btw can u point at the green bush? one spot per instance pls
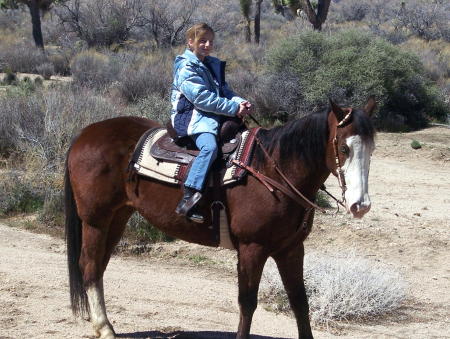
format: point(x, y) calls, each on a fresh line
point(17, 195)
point(10, 78)
point(352, 65)
point(143, 231)
point(415, 144)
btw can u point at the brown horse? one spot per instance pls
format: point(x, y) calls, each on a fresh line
point(100, 199)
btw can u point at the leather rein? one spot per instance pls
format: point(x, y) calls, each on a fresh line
point(291, 191)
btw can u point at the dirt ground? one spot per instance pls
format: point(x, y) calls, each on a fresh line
point(179, 290)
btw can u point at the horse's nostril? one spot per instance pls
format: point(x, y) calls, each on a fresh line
point(354, 208)
point(358, 209)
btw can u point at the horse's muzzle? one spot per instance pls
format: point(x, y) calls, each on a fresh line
point(358, 209)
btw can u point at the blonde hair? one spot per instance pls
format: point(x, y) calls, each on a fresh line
point(198, 30)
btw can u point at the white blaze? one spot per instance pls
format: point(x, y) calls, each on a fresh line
point(356, 170)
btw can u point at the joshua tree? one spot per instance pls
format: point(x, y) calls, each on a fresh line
point(246, 6)
point(316, 11)
point(35, 7)
point(257, 20)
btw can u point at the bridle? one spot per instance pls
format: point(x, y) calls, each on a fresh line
point(291, 190)
point(339, 171)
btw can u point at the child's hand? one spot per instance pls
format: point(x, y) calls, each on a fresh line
point(245, 108)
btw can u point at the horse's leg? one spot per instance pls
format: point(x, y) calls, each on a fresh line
point(97, 250)
point(92, 268)
point(251, 260)
point(116, 230)
point(290, 266)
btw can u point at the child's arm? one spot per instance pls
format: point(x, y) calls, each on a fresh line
point(192, 85)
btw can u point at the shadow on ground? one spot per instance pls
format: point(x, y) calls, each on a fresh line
point(188, 335)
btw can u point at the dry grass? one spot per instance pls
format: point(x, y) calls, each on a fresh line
point(341, 288)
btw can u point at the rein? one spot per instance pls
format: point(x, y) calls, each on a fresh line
point(293, 192)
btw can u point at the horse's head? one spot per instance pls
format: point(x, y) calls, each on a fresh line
point(349, 149)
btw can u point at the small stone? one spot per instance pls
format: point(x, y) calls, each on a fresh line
point(417, 214)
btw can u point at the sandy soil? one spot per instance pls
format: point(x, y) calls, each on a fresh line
point(173, 292)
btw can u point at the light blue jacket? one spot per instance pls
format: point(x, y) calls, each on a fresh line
point(200, 95)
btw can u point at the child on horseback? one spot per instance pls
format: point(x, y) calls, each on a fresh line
point(199, 97)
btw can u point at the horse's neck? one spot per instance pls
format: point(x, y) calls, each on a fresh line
point(304, 178)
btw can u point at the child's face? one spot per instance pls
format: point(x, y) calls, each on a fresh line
point(203, 45)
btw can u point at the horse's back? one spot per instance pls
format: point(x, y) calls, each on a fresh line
point(116, 128)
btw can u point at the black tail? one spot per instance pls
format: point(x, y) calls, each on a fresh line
point(78, 296)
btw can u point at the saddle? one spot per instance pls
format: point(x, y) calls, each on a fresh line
point(170, 147)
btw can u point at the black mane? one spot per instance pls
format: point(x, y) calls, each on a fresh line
point(305, 138)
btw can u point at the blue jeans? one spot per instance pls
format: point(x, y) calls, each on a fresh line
point(207, 144)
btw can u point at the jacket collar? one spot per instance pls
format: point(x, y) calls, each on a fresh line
point(216, 65)
point(188, 54)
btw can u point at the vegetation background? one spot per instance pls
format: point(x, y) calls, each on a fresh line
point(98, 59)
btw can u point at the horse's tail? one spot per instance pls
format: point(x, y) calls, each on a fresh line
point(78, 296)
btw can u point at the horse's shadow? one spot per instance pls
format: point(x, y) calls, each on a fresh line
point(188, 335)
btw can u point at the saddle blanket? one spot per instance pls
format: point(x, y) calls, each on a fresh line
point(176, 173)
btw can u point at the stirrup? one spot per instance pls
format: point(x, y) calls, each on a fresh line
point(195, 216)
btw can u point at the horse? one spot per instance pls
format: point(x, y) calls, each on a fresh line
point(100, 198)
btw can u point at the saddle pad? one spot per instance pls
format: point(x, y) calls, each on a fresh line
point(175, 173)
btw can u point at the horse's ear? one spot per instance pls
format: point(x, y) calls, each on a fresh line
point(338, 112)
point(370, 106)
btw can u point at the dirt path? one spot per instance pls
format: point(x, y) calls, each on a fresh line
point(162, 297)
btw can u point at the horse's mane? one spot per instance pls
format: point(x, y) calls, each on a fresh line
point(305, 138)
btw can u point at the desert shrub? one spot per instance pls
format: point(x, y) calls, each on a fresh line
point(143, 231)
point(93, 69)
point(339, 288)
point(38, 82)
point(10, 19)
point(224, 17)
point(165, 22)
point(415, 144)
point(19, 195)
point(46, 70)
point(435, 57)
point(52, 211)
point(243, 58)
point(20, 56)
point(43, 123)
point(143, 78)
point(352, 65)
point(17, 109)
point(323, 200)
point(350, 10)
point(60, 62)
point(10, 77)
point(152, 107)
point(427, 20)
point(277, 96)
point(99, 23)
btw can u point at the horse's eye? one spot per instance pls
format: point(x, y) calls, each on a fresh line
point(345, 150)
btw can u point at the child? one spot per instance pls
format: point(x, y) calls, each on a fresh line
point(199, 97)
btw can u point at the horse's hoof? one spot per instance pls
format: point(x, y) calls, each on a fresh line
point(106, 332)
